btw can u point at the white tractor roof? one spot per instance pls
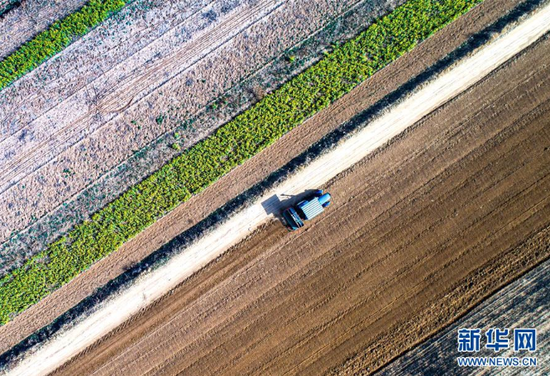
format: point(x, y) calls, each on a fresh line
point(311, 208)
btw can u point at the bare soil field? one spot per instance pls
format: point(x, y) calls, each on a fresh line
point(420, 232)
point(255, 170)
point(524, 303)
point(65, 128)
point(25, 20)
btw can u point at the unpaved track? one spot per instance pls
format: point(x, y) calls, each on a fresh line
point(251, 172)
point(150, 287)
point(467, 188)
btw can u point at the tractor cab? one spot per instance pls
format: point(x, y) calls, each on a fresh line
point(306, 210)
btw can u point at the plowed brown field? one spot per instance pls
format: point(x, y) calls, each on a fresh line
point(419, 233)
point(523, 302)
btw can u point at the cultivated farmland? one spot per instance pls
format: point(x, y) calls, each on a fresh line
point(381, 84)
point(397, 259)
point(246, 135)
point(525, 301)
point(69, 129)
point(27, 18)
point(140, 124)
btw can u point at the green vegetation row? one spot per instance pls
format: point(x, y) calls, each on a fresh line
point(336, 74)
point(58, 36)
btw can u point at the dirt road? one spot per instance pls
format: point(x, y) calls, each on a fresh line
point(461, 195)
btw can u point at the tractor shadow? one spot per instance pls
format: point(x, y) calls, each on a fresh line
point(276, 204)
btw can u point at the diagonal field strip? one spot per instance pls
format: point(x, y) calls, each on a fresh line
point(28, 18)
point(385, 87)
point(55, 38)
point(100, 148)
point(157, 283)
point(502, 310)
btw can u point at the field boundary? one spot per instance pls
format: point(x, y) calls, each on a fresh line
point(80, 306)
point(61, 218)
point(482, 64)
point(481, 302)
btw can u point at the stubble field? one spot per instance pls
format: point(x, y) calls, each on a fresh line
point(23, 19)
point(67, 132)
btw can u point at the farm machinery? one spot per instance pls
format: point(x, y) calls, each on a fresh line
point(306, 210)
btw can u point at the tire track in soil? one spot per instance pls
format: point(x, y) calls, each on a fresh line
point(302, 303)
point(61, 74)
point(35, 236)
point(406, 268)
point(344, 209)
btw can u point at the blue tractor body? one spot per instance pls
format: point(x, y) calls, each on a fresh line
point(306, 210)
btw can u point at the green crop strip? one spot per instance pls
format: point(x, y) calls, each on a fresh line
point(336, 74)
point(58, 36)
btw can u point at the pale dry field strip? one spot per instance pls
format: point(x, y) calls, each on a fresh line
point(239, 97)
point(29, 18)
point(524, 303)
point(154, 285)
point(83, 122)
